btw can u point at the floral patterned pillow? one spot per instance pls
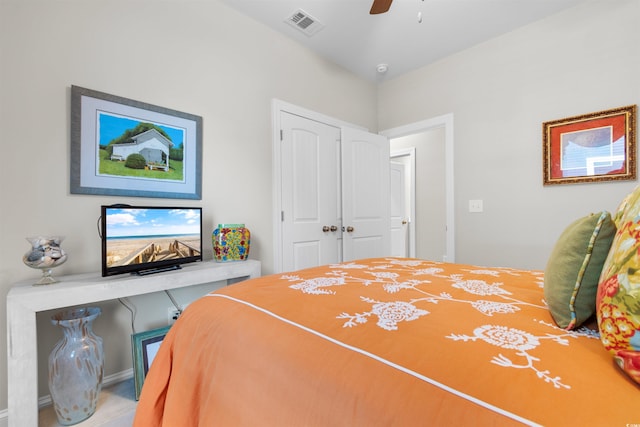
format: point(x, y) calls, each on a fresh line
point(622, 207)
point(618, 298)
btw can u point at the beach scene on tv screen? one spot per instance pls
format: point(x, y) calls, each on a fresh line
point(139, 236)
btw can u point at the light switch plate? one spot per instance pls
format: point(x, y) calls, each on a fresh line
point(475, 206)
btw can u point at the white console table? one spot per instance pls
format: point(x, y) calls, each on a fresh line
point(25, 300)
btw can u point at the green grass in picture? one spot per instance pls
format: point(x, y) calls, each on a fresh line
point(114, 167)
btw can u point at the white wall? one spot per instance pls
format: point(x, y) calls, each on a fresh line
point(199, 57)
point(583, 60)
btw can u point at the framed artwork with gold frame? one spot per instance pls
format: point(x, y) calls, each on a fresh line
point(593, 147)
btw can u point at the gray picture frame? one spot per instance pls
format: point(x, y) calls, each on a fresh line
point(88, 110)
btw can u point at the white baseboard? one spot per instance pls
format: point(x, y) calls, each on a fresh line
point(106, 381)
point(46, 400)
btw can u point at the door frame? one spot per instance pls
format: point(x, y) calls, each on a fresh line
point(445, 121)
point(277, 107)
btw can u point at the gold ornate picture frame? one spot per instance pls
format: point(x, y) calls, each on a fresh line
point(593, 147)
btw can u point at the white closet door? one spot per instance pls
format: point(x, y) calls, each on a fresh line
point(365, 195)
point(310, 193)
point(399, 217)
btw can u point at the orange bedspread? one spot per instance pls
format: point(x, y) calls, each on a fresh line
point(385, 341)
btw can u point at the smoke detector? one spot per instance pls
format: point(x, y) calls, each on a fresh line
point(382, 68)
point(304, 22)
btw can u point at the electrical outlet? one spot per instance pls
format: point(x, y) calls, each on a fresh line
point(172, 315)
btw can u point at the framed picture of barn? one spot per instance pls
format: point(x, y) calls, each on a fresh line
point(122, 147)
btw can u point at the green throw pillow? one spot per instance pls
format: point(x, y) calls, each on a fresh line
point(573, 269)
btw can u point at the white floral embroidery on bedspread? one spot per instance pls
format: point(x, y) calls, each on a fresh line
point(316, 286)
point(390, 314)
point(520, 341)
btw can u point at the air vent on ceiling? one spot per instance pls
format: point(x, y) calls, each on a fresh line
point(304, 22)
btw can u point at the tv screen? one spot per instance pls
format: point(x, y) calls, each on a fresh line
point(149, 239)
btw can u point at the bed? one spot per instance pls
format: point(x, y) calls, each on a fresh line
point(386, 341)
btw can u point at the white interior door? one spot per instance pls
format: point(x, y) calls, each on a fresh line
point(365, 195)
point(311, 219)
point(399, 217)
point(323, 174)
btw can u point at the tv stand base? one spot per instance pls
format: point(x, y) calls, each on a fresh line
point(148, 271)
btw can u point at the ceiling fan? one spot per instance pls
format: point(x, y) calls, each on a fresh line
point(380, 6)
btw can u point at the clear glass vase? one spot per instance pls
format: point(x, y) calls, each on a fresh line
point(76, 366)
point(45, 254)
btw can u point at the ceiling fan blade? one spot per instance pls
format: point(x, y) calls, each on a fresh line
point(380, 6)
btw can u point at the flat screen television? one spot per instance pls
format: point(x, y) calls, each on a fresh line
point(149, 239)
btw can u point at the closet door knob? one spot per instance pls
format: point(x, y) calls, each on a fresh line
point(334, 228)
point(349, 229)
point(325, 229)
